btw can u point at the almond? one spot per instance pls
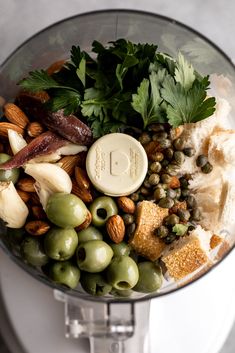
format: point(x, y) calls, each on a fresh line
point(26, 184)
point(115, 228)
point(35, 129)
point(68, 163)
point(82, 193)
point(151, 149)
point(174, 183)
point(34, 199)
point(126, 204)
point(82, 178)
point(15, 115)
point(86, 223)
point(38, 212)
point(25, 196)
point(55, 67)
point(4, 127)
point(2, 101)
point(37, 227)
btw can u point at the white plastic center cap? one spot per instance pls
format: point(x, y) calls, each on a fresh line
point(117, 164)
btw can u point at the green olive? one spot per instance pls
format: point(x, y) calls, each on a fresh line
point(60, 244)
point(64, 273)
point(90, 233)
point(32, 251)
point(150, 277)
point(66, 210)
point(125, 293)
point(121, 249)
point(101, 209)
point(122, 273)
point(11, 174)
point(94, 256)
point(95, 284)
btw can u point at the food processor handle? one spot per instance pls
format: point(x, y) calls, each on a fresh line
point(120, 327)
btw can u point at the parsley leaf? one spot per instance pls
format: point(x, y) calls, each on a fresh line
point(64, 99)
point(38, 80)
point(184, 72)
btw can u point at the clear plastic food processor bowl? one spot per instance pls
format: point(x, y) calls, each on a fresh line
point(110, 322)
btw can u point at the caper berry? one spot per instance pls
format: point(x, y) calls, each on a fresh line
point(183, 182)
point(166, 178)
point(130, 229)
point(172, 169)
point(189, 151)
point(144, 138)
point(179, 144)
point(159, 136)
point(172, 219)
point(155, 167)
point(135, 197)
point(144, 191)
point(185, 192)
point(191, 202)
point(165, 143)
point(196, 215)
point(179, 157)
point(166, 202)
point(184, 215)
point(171, 193)
point(128, 218)
point(156, 127)
point(162, 231)
point(201, 160)
point(147, 184)
point(158, 157)
point(154, 179)
point(207, 168)
point(169, 152)
point(159, 193)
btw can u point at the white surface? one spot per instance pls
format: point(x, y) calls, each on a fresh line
point(196, 319)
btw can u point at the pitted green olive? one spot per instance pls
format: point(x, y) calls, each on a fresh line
point(121, 249)
point(11, 174)
point(90, 233)
point(66, 210)
point(94, 256)
point(60, 244)
point(122, 273)
point(64, 273)
point(32, 252)
point(101, 209)
point(150, 277)
point(95, 284)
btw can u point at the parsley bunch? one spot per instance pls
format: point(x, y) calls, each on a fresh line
point(127, 84)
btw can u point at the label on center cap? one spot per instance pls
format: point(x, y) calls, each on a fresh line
point(117, 164)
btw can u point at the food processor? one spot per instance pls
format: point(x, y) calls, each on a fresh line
point(118, 324)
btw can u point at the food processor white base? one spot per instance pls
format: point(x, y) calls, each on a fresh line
point(196, 319)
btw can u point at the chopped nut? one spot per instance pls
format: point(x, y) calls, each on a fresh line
point(126, 204)
point(115, 228)
point(15, 115)
point(35, 129)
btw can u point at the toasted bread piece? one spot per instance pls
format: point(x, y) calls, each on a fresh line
point(144, 241)
point(187, 254)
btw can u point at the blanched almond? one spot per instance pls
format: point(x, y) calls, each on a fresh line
point(35, 129)
point(15, 115)
point(4, 127)
point(37, 227)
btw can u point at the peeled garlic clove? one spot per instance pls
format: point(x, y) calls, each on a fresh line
point(13, 210)
point(71, 149)
point(50, 178)
point(17, 142)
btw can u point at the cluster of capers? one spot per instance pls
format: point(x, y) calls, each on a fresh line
point(204, 164)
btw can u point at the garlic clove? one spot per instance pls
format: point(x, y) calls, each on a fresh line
point(71, 149)
point(13, 210)
point(17, 142)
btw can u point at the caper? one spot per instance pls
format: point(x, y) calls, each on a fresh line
point(172, 169)
point(207, 168)
point(128, 218)
point(165, 143)
point(154, 179)
point(161, 185)
point(144, 138)
point(159, 136)
point(169, 152)
point(159, 193)
point(162, 231)
point(130, 229)
point(170, 238)
point(201, 160)
point(178, 193)
point(183, 182)
point(158, 156)
point(184, 215)
point(179, 157)
point(165, 162)
point(185, 192)
point(155, 167)
point(172, 219)
point(191, 202)
point(147, 184)
point(189, 151)
point(134, 197)
point(166, 202)
point(156, 127)
point(144, 191)
point(179, 144)
point(166, 178)
point(171, 193)
point(196, 214)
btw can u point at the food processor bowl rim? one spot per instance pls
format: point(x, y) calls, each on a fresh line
point(26, 267)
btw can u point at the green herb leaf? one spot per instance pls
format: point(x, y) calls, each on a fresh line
point(38, 80)
point(180, 229)
point(81, 71)
point(64, 99)
point(184, 72)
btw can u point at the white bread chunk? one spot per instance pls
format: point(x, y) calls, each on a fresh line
point(221, 148)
